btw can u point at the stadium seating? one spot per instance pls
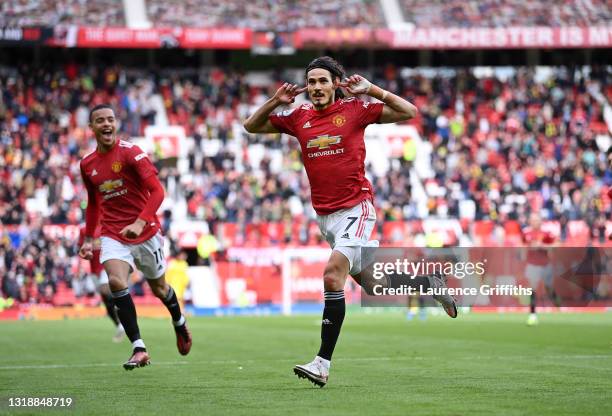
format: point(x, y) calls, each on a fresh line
point(51, 13)
point(266, 15)
point(493, 13)
point(507, 145)
point(289, 16)
point(257, 15)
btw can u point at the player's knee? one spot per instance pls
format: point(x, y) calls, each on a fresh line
point(332, 278)
point(105, 290)
point(115, 282)
point(159, 290)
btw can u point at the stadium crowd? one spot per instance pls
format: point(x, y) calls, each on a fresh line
point(258, 15)
point(495, 13)
point(506, 145)
point(266, 15)
point(16, 13)
point(283, 16)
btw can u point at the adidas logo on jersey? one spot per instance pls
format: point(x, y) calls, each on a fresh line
point(306, 125)
point(346, 235)
point(326, 322)
point(94, 172)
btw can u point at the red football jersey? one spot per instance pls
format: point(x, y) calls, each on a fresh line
point(333, 150)
point(94, 264)
point(116, 179)
point(537, 257)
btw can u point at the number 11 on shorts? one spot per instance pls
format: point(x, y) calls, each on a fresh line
point(159, 255)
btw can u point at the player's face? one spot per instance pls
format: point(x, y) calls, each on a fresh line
point(535, 221)
point(103, 124)
point(321, 88)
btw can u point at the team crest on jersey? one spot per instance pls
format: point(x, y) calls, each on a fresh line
point(339, 120)
point(324, 141)
point(116, 166)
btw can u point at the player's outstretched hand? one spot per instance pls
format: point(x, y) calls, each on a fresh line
point(86, 251)
point(133, 230)
point(287, 92)
point(356, 84)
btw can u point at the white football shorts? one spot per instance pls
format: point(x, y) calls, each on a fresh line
point(348, 230)
point(148, 256)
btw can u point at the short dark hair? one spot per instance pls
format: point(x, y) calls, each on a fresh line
point(330, 64)
point(99, 107)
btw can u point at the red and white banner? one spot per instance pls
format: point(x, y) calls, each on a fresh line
point(221, 38)
point(333, 37)
point(497, 38)
point(417, 38)
point(116, 37)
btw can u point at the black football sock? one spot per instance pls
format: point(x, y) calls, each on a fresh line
point(532, 303)
point(173, 305)
point(110, 308)
point(333, 316)
point(127, 314)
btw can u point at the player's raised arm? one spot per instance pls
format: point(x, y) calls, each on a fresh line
point(259, 121)
point(395, 108)
point(91, 219)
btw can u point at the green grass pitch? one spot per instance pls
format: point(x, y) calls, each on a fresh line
point(383, 365)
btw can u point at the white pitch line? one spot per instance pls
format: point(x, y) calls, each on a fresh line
point(54, 366)
point(240, 362)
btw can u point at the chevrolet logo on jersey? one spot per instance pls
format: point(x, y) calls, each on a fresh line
point(110, 185)
point(323, 142)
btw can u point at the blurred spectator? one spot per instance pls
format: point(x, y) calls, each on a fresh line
point(176, 275)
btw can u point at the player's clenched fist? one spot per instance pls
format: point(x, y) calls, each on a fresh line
point(356, 84)
point(287, 92)
point(133, 230)
point(86, 250)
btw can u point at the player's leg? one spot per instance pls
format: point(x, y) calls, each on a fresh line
point(362, 260)
point(334, 278)
point(118, 264)
point(107, 299)
point(166, 294)
point(150, 260)
point(534, 275)
point(343, 230)
point(533, 317)
point(118, 273)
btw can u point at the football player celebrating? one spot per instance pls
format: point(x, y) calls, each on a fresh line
point(330, 131)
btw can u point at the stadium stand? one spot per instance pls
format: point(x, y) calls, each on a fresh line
point(281, 16)
point(492, 13)
point(16, 13)
point(257, 15)
point(266, 15)
point(504, 144)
